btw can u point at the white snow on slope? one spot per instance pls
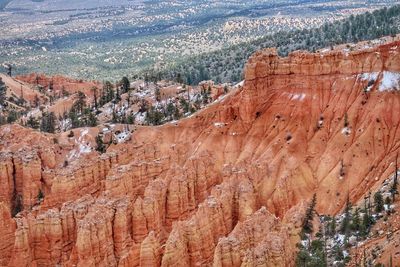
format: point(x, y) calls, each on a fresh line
point(371, 76)
point(390, 80)
point(299, 97)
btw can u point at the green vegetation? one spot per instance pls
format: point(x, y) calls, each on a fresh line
point(81, 115)
point(226, 65)
point(125, 84)
point(12, 116)
point(48, 122)
point(378, 199)
point(100, 147)
point(2, 92)
point(311, 253)
point(393, 189)
point(32, 122)
point(40, 195)
point(307, 226)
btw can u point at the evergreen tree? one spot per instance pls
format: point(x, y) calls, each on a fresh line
point(2, 92)
point(109, 93)
point(92, 120)
point(144, 105)
point(94, 91)
point(154, 117)
point(80, 103)
point(12, 116)
point(356, 220)
point(170, 110)
point(315, 255)
point(48, 122)
point(366, 222)
point(75, 122)
point(117, 96)
point(100, 145)
point(40, 195)
point(185, 105)
point(378, 199)
point(158, 94)
point(130, 119)
point(345, 226)
point(179, 78)
point(32, 122)
point(114, 118)
point(125, 84)
point(332, 227)
point(177, 114)
point(3, 120)
point(393, 188)
point(307, 226)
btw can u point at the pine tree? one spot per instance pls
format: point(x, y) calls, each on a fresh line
point(307, 226)
point(378, 199)
point(125, 84)
point(158, 94)
point(48, 122)
point(185, 105)
point(2, 120)
point(170, 109)
point(108, 91)
point(12, 116)
point(366, 220)
point(332, 227)
point(94, 90)
point(226, 89)
point(32, 123)
point(75, 122)
point(100, 145)
point(393, 189)
point(114, 118)
point(117, 96)
point(92, 120)
point(2, 92)
point(130, 119)
point(40, 195)
point(80, 103)
point(345, 226)
point(356, 220)
point(177, 114)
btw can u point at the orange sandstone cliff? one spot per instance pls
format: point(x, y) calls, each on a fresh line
point(226, 187)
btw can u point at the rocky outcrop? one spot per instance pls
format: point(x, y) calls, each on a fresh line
point(58, 83)
point(7, 231)
point(260, 239)
point(225, 187)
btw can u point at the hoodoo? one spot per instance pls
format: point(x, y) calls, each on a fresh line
point(228, 186)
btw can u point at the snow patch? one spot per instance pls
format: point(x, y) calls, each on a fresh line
point(240, 84)
point(368, 76)
point(122, 137)
point(390, 80)
point(346, 131)
point(299, 97)
point(84, 149)
point(219, 124)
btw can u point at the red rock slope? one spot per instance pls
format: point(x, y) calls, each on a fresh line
point(226, 187)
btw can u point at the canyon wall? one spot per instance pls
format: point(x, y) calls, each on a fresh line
point(227, 186)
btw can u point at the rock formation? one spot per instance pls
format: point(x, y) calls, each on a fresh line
point(225, 187)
